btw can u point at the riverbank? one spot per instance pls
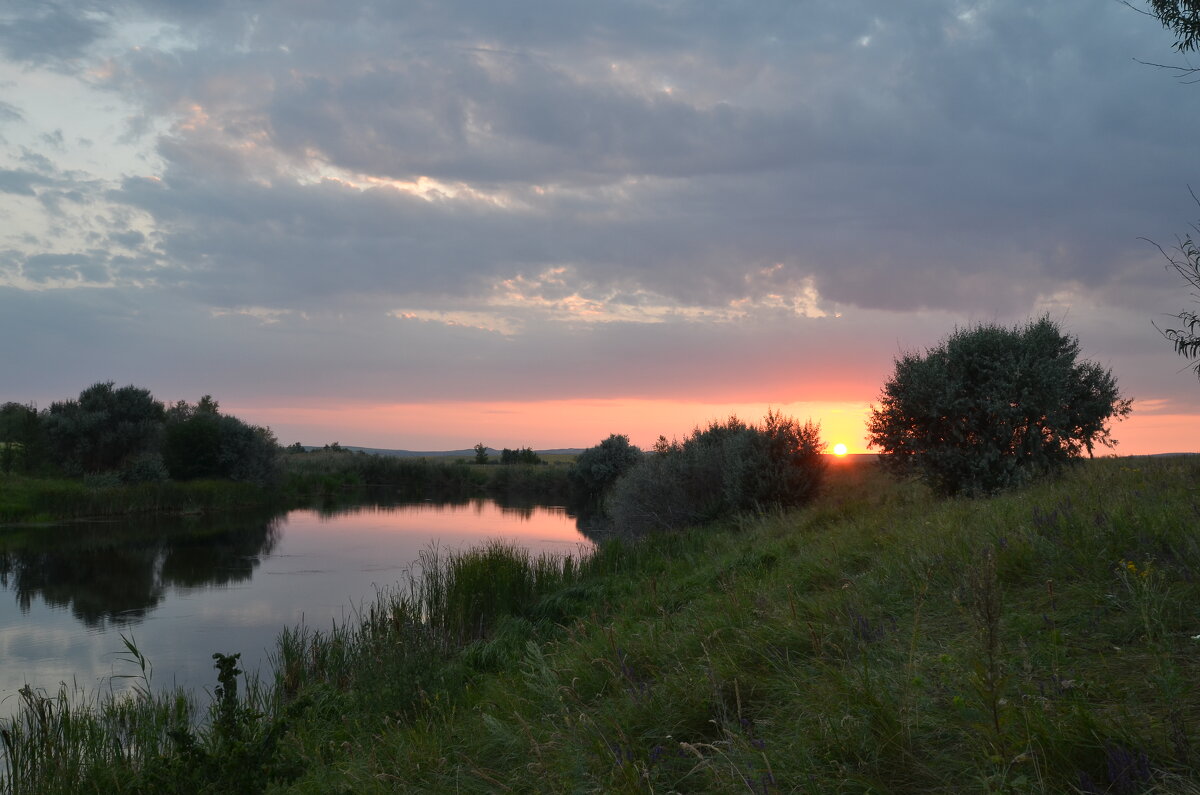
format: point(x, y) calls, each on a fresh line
point(26, 499)
point(878, 640)
point(312, 479)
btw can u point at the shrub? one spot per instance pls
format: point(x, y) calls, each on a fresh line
point(201, 442)
point(992, 407)
point(145, 468)
point(725, 468)
point(522, 455)
point(104, 428)
point(597, 468)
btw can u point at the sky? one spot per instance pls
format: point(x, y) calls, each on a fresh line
point(423, 225)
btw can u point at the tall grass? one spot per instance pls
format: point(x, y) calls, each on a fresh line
point(24, 499)
point(879, 640)
point(329, 475)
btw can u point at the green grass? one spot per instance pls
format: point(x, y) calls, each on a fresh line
point(331, 477)
point(324, 479)
point(879, 640)
point(558, 459)
point(26, 499)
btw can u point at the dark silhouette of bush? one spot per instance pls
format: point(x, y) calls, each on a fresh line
point(104, 428)
point(597, 468)
point(192, 441)
point(992, 407)
point(522, 455)
point(22, 438)
point(201, 442)
point(718, 471)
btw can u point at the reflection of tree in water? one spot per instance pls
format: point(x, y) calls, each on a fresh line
point(592, 523)
point(230, 558)
point(117, 573)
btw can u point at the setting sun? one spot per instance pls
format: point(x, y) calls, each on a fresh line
point(839, 449)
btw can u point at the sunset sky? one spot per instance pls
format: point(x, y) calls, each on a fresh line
point(426, 224)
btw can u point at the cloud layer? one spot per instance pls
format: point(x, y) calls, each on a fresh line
point(564, 199)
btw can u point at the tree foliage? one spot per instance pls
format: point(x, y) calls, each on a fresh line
point(22, 443)
point(1181, 17)
point(522, 455)
point(104, 428)
point(1184, 259)
point(992, 407)
point(112, 434)
point(597, 468)
point(200, 442)
point(723, 469)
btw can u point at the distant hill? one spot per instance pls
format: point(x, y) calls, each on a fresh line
point(468, 453)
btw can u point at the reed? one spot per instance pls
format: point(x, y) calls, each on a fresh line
point(24, 499)
point(329, 474)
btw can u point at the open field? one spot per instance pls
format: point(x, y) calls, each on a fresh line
point(879, 640)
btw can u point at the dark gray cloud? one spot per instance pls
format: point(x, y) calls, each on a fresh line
point(41, 268)
point(128, 239)
point(20, 183)
point(962, 157)
point(53, 32)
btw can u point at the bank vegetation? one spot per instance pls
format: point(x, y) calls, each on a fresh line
point(880, 638)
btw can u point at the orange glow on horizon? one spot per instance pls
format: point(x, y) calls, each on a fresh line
point(541, 425)
point(582, 423)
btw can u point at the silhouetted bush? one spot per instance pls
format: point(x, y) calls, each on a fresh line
point(725, 468)
point(597, 468)
point(992, 407)
point(145, 468)
point(22, 442)
point(522, 455)
point(201, 442)
point(104, 428)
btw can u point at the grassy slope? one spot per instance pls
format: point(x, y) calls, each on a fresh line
point(877, 641)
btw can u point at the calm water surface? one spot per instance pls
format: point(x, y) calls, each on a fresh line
point(183, 590)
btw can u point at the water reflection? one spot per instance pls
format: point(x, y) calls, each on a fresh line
point(188, 588)
point(114, 574)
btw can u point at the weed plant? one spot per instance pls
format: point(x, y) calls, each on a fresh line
point(877, 640)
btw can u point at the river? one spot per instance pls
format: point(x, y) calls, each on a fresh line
point(186, 588)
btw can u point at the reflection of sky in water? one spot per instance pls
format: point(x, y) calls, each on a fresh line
point(308, 568)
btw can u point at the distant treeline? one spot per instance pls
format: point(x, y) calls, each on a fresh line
point(111, 435)
point(335, 472)
point(117, 450)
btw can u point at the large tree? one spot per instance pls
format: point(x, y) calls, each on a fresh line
point(597, 468)
point(105, 428)
point(21, 448)
point(991, 407)
point(201, 442)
